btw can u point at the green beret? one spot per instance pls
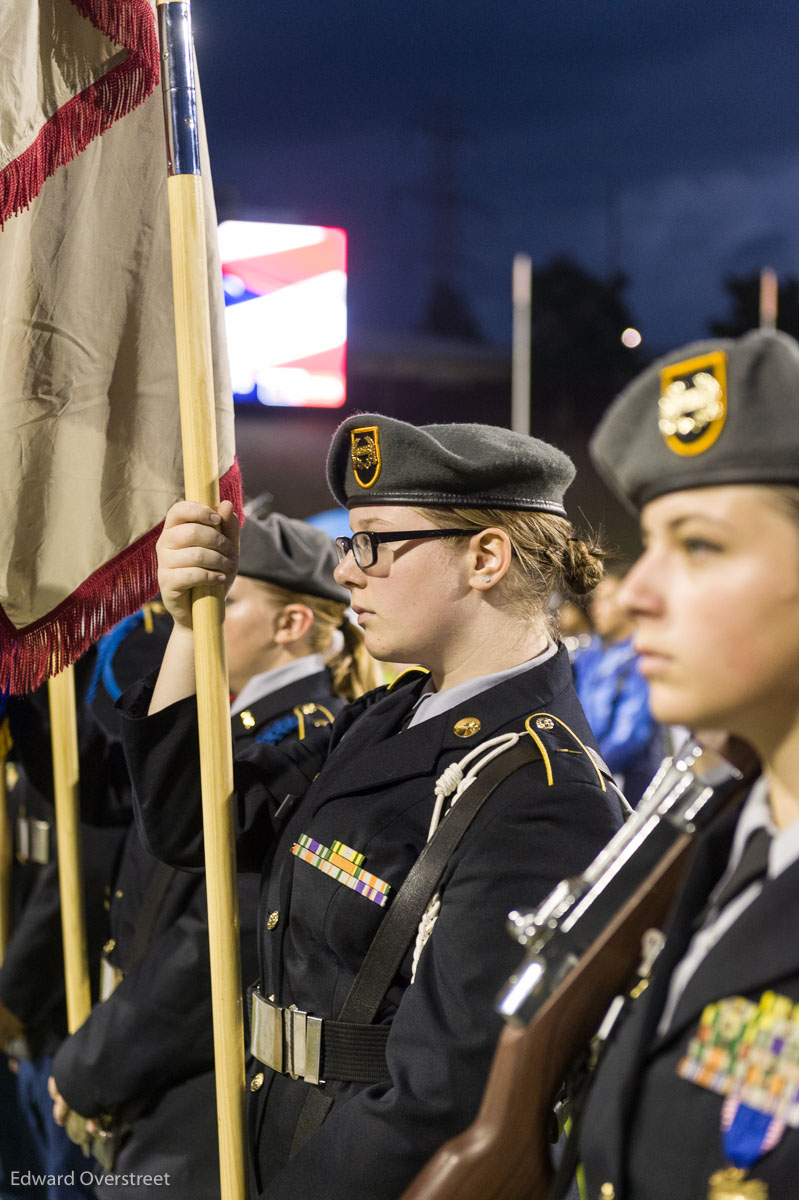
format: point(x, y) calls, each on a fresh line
point(290, 554)
point(378, 460)
point(714, 412)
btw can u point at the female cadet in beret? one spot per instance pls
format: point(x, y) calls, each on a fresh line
point(696, 1096)
point(459, 537)
point(293, 654)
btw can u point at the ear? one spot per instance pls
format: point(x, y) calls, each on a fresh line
point(491, 553)
point(292, 623)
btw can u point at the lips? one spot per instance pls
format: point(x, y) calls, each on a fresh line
point(651, 660)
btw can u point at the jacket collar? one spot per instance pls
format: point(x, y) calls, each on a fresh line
point(358, 765)
point(315, 688)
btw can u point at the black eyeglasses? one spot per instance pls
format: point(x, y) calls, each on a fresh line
point(364, 545)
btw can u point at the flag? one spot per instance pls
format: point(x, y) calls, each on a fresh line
point(90, 450)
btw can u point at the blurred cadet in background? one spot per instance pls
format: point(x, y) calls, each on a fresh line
point(33, 1016)
point(574, 623)
point(614, 694)
point(142, 1065)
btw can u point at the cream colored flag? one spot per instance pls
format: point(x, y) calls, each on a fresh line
point(90, 451)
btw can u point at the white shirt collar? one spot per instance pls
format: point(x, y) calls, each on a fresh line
point(756, 813)
point(267, 682)
point(432, 703)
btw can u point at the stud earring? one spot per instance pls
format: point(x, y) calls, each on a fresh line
point(486, 579)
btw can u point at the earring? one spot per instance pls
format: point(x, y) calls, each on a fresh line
point(486, 579)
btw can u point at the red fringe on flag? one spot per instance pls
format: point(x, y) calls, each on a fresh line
point(29, 656)
point(128, 23)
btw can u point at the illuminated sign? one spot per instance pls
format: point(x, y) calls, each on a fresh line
point(286, 312)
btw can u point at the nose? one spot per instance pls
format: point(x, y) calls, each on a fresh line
point(639, 593)
point(347, 573)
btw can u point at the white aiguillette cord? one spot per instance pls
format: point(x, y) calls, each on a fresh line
point(452, 779)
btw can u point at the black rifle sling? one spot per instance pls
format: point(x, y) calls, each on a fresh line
point(397, 930)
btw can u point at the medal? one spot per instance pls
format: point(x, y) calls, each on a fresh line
point(732, 1184)
point(748, 1053)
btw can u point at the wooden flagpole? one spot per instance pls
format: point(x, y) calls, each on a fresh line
point(64, 738)
point(198, 426)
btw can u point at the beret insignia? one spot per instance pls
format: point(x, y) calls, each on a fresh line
point(693, 403)
point(365, 454)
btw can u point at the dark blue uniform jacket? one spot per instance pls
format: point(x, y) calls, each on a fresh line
point(649, 1133)
point(369, 784)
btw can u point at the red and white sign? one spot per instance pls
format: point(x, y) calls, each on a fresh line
point(286, 312)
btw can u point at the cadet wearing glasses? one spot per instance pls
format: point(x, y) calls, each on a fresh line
point(459, 538)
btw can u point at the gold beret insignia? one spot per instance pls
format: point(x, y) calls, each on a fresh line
point(365, 455)
point(693, 402)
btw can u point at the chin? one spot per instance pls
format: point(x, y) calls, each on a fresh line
point(671, 707)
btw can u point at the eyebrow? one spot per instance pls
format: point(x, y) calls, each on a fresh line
point(373, 523)
point(676, 523)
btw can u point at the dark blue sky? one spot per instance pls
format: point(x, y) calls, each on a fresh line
point(661, 136)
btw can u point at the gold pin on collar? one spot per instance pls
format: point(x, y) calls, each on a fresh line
point(466, 727)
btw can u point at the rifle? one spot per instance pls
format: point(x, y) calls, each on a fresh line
point(583, 944)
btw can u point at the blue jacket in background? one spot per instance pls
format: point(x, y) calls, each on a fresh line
point(615, 697)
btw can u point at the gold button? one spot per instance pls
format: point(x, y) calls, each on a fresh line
point(118, 894)
point(466, 727)
point(545, 723)
point(247, 719)
point(256, 1081)
point(109, 946)
point(272, 920)
point(607, 1192)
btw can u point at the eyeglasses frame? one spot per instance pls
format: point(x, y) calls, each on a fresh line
point(345, 544)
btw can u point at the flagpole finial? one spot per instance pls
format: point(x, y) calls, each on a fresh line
point(180, 96)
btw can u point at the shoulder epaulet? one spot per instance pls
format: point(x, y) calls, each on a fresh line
point(296, 723)
point(556, 739)
point(407, 676)
point(311, 713)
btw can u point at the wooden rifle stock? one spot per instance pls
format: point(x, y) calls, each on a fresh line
point(505, 1154)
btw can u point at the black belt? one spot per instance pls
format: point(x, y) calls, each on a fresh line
point(295, 1043)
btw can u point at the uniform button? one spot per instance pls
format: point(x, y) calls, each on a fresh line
point(108, 948)
point(607, 1192)
point(257, 1081)
point(118, 894)
point(272, 920)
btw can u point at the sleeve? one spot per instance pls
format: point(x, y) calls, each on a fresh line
point(104, 798)
point(163, 757)
point(445, 1028)
point(632, 726)
point(32, 974)
point(154, 1030)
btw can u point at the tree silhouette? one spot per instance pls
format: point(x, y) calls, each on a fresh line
point(743, 295)
point(578, 360)
point(449, 313)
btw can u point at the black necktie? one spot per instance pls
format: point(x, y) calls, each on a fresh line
point(753, 865)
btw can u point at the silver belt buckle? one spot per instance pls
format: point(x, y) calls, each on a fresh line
point(286, 1039)
point(40, 842)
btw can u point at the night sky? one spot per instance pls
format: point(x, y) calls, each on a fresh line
point(656, 137)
